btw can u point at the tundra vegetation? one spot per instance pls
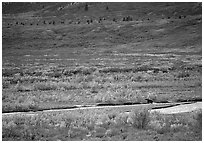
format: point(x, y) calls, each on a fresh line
point(127, 54)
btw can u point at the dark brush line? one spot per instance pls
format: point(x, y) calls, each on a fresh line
point(37, 110)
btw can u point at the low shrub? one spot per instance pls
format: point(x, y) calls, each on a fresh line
point(12, 72)
point(137, 78)
point(119, 96)
point(79, 70)
point(23, 88)
point(5, 84)
point(55, 74)
point(163, 124)
point(26, 105)
point(27, 79)
point(121, 119)
point(67, 85)
point(183, 74)
point(45, 86)
point(197, 125)
point(115, 70)
point(99, 132)
point(106, 97)
point(112, 132)
point(139, 118)
point(77, 132)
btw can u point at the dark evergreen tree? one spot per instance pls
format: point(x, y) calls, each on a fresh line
point(124, 19)
point(86, 7)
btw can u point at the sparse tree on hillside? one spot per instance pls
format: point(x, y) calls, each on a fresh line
point(129, 18)
point(86, 7)
point(124, 19)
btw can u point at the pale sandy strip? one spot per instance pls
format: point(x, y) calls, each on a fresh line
point(180, 108)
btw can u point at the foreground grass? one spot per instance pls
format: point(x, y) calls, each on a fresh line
point(103, 124)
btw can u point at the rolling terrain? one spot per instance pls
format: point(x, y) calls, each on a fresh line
point(56, 55)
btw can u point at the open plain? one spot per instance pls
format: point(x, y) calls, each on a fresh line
point(57, 55)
